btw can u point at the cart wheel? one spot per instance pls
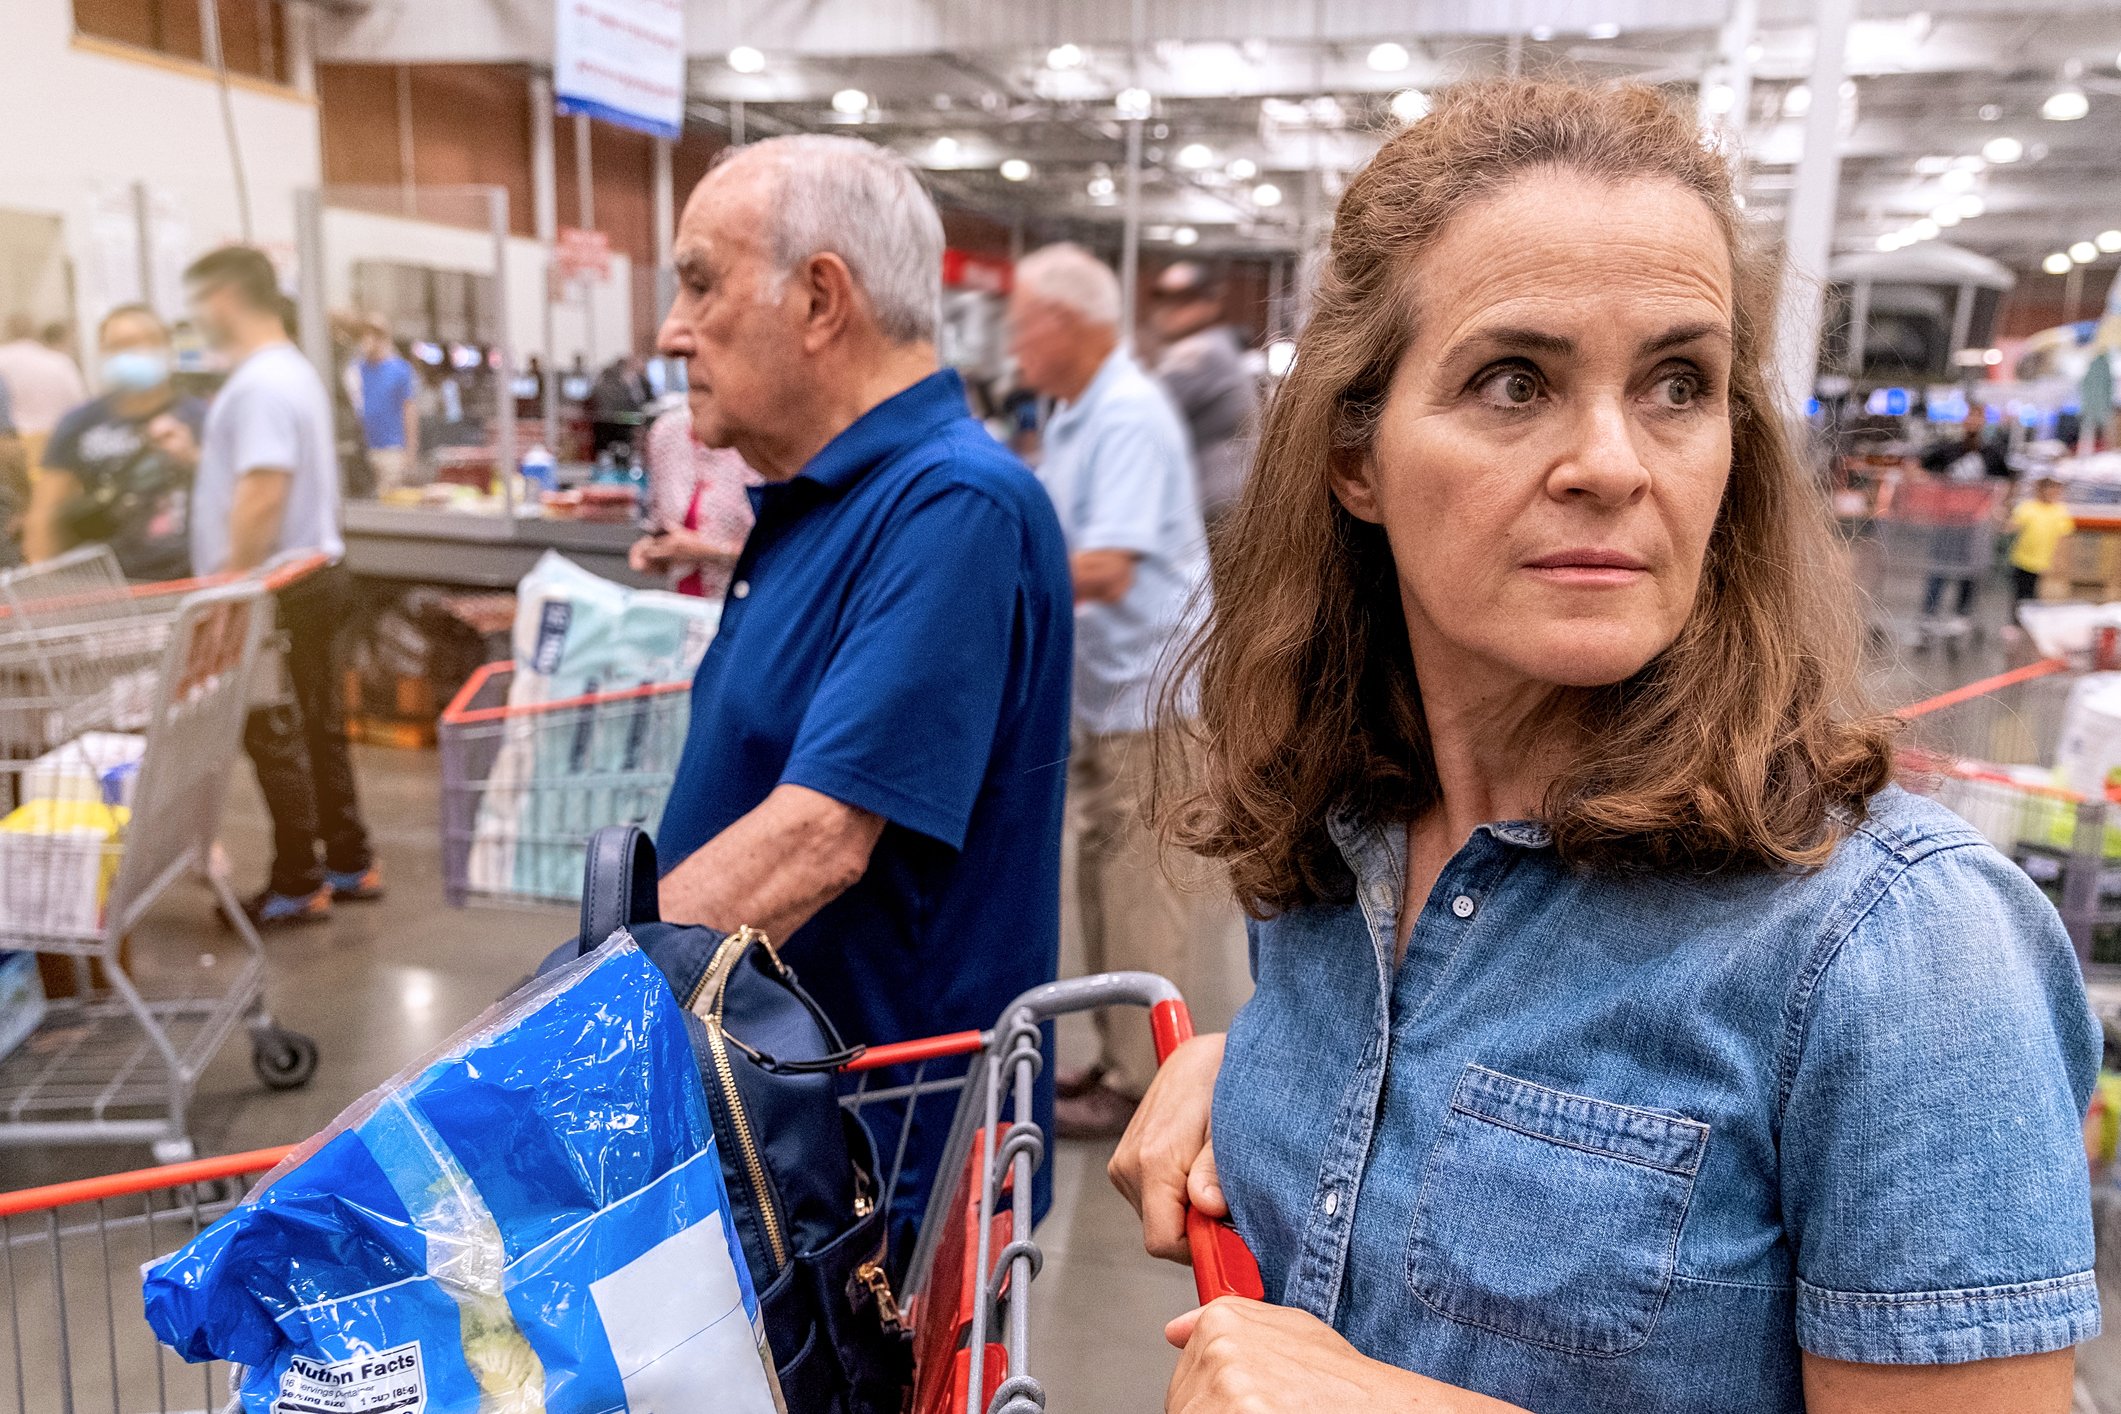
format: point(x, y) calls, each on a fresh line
point(284, 1060)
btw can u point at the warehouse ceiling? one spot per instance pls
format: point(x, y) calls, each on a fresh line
point(1257, 109)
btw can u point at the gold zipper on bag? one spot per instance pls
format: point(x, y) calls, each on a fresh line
point(871, 1275)
point(716, 977)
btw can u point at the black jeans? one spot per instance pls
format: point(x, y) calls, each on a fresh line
point(299, 747)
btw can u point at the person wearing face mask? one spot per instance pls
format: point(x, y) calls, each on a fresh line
point(105, 480)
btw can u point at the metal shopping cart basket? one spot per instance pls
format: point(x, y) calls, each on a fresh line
point(73, 1251)
point(1927, 537)
point(524, 785)
point(121, 716)
point(1987, 751)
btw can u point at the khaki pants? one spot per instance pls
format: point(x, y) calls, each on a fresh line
point(1138, 905)
point(391, 466)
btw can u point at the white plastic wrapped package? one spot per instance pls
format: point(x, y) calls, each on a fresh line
point(553, 781)
point(531, 1222)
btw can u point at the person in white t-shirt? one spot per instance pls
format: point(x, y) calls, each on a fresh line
point(267, 485)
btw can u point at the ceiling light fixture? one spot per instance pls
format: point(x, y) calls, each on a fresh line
point(1889, 241)
point(2084, 252)
point(1992, 357)
point(1197, 156)
point(2108, 241)
point(943, 150)
point(1242, 169)
point(746, 60)
point(1388, 58)
point(1266, 194)
point(1989, 112)
point(2057, 264)
point(1184, 235)
point(1957, 180)
point(1016, 169)
point(1132, 102)
point(1410, 105)
point(2001, 150)
point(1969, 206)
point(850, 101)
point(1924, 230)
point(1797, 101)
point(1100, 188)
point(1719, 98)
point(1065, 56)
point(1603, 29)
point(2065, 105)
point(1946, 216)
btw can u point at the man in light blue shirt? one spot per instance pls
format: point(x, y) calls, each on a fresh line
point(1119, 469)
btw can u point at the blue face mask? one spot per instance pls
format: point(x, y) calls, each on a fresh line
point(135, 371)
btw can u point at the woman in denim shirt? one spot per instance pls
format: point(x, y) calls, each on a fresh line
point(1624, 1040)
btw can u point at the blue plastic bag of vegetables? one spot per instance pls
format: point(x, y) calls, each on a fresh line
point(531, 1221)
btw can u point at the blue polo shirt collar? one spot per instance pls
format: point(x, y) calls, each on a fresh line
point(899, 421)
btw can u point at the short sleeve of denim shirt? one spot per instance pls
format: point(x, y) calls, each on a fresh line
point(1934, 1184)
point(903, 722)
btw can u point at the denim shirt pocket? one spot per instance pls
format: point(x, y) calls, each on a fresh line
point(1550, 1217)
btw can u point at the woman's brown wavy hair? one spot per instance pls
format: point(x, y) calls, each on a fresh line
point(1737, 746)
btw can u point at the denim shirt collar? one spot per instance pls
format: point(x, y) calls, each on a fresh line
point(1376, 854)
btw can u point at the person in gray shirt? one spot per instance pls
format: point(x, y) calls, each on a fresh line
point(266, 485)
point(1203, 369)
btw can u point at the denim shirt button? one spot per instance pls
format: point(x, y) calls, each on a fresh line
point(1330, 1204)
point(740, 590)
point(1463, 905)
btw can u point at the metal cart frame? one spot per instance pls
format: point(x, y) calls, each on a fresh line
point(971, 1326)
point(111, 1064)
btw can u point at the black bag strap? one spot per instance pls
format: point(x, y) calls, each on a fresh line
point(619, 887)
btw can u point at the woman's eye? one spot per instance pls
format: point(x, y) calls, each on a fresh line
point(1510, 388)
point(1678, 390)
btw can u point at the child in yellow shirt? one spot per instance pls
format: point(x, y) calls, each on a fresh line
point(2041, 525)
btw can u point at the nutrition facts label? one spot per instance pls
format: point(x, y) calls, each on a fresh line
point(387, 1382)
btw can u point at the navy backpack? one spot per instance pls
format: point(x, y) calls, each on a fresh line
point(804, 1187)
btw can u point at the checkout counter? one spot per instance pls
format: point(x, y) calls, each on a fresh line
point(415, 544)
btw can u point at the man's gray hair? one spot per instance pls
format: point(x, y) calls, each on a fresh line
point(866, 205)
point(1073, 278)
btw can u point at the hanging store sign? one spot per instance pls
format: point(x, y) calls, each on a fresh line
point(622, 61)
point(969, 270)
point(581, 255)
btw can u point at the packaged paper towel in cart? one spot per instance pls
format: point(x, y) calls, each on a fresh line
point(530, 1222)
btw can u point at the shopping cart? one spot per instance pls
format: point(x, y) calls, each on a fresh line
point(523, 786)
point(1926, 538)
point(73, 1251)
point(71, 1254)
point(122, 716)
point(1987, 751)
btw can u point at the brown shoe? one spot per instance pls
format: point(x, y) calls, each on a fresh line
point(1102, 1113)
point(1074, 1084)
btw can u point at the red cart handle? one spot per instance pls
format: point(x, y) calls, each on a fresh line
point(1222, 1264)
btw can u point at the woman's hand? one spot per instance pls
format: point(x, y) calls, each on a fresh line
point(1246, 1357)
point(1165, 1162)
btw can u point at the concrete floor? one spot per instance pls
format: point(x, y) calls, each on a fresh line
point(383, 983)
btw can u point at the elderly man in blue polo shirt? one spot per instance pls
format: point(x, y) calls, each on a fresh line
point(877, 755)
point(1119, 468)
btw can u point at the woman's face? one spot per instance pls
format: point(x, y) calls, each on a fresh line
point(1555, 441)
